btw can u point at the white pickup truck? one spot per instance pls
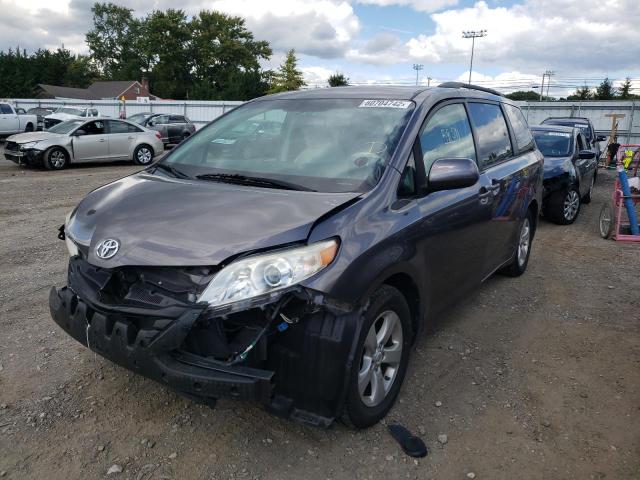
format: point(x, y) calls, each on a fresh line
point(11, 122)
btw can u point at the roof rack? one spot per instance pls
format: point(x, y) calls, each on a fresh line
point(470, 86)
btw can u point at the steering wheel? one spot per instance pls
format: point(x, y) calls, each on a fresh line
point(373, 154)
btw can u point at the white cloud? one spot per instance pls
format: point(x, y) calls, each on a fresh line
point(419, 5)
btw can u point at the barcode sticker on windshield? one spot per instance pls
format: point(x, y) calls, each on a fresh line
point(559, 134)
point(385, 104)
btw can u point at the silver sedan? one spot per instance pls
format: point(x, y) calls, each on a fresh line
point(82, 141)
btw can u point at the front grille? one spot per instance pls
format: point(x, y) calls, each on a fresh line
point(11, 147)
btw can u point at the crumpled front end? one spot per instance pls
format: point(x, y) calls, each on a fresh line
point(291, 352)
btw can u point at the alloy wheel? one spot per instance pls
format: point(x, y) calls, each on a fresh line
point(381, 357)
point(523, 243)
point(571, 205)
point(57, 159)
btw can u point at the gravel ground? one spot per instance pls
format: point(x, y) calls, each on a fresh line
point(529, 378)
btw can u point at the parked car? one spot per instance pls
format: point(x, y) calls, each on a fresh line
point(40, 113)
point(300, 276)
point(80, 141)
point(62, 114)
point(172, 128)
point(13, 122)
point(570, 170)
point(586, 127)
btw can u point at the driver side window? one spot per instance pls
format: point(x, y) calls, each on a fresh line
point(447, 134)
point(94, 128)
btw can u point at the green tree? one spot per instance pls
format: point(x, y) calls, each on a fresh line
point(114, 42)
point(582, 93)
point(225, 56)
point(625, 90)
point(521, 95)
point(288, 77)
point(338, 80)
point(164, 42)
point(605, 91)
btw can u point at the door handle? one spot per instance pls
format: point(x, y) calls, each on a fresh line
point(131, 138)
point(101, 140)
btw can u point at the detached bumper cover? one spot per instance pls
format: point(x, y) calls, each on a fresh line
point(154, 353)
point(28, 157)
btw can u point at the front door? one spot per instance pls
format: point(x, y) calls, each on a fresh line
point(93, 144)
point(452, 221)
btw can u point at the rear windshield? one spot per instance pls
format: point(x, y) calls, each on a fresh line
point(328, 145)
point(584, 127)
point(553, 144)
point(71, 111)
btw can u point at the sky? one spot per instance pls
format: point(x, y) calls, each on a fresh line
point(379, 41)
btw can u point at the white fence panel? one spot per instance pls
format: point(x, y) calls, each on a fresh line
point(198, 111)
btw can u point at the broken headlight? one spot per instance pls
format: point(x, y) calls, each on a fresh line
point(261, 274)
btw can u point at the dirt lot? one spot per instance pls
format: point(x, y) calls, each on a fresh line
point(538, 377)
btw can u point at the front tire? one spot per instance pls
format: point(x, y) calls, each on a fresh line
point(563, 207)
point(143, 155)
point(56, 158)
point(29, 127)
point(382, 356)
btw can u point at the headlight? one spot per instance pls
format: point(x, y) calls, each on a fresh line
point(28, 145)
point(72, 248)
point(266, 273)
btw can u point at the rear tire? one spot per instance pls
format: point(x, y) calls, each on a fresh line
point(56, 158)
point(563, 206)
point(185, 135)
point(523, 247)
point(587, 198)
point(382, 356)
point(143, 155)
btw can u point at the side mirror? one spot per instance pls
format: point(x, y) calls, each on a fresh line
point(79, 132)
point(150, 123)
point(600, 138)
point(586, 154)
point(452, 173)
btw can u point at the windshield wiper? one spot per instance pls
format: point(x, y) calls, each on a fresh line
point(172, 170)
point(253, 181)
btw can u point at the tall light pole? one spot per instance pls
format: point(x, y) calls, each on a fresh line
point(549, 75)
point(473, 34)
point(417, 67)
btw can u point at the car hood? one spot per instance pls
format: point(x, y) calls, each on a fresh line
point(172, 222)
point(33, 137)
point(555, 166)
point(62, 116)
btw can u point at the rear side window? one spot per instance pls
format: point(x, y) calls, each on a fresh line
point(177, 119)
point(118, 127)
point(5, 108)
point(492, 134)
point(447, 134)
point(524, 139)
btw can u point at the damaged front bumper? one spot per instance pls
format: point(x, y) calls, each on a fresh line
point(297, 369)
point(24, 157)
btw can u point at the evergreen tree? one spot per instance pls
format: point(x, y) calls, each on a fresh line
point(605, 90)
point(338, 80)
point(625, 90)
point(288, 77)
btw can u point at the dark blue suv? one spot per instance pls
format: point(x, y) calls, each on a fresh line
point(296, 267)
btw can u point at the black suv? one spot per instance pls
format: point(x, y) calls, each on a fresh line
point(295, 265)
point(586, 127)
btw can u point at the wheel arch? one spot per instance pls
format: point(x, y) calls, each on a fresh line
point(408, 287)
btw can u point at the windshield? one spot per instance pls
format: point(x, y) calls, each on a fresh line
point(65, 127)
point(553, 144)
point(71, 111)
point(328, 145)
point(139, 118)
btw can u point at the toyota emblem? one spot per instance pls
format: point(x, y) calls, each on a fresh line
point(106, 249)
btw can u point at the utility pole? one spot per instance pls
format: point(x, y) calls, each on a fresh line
point(549, 75)
point(542, 86)
point(417, 67)
point(429, 81)
point(473, 34)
